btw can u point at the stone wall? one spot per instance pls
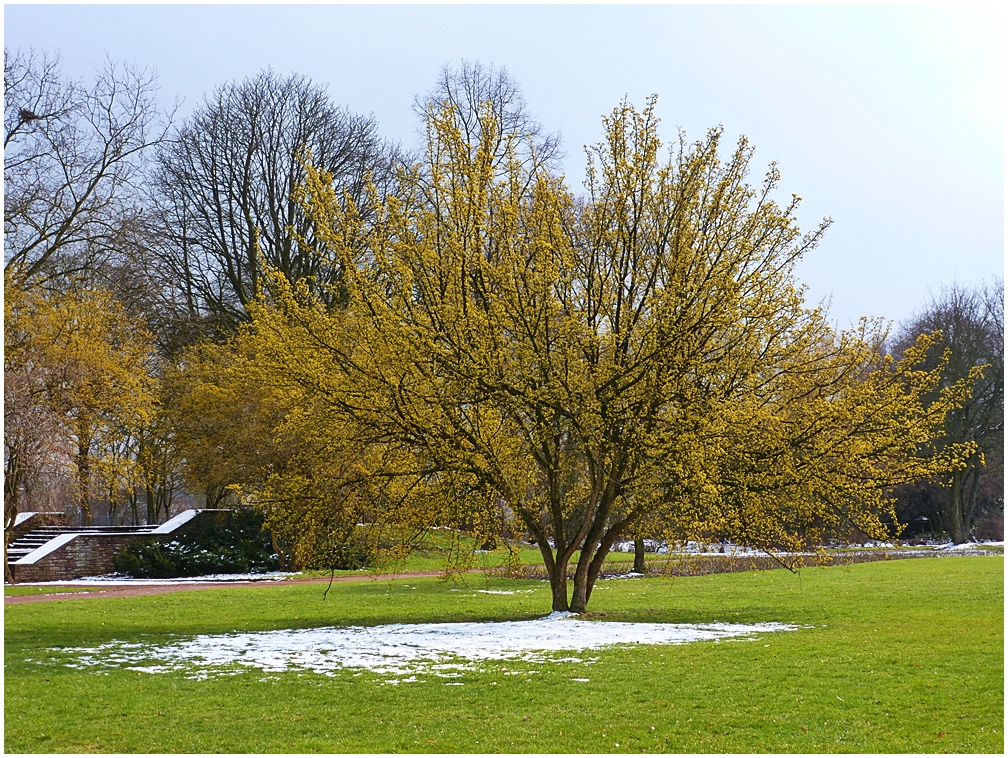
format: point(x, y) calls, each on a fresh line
point(92, 553)
point(84, 555)
point(36, 520)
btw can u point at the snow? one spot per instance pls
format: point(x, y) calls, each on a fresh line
point(503, 592)
point(630, 575)
point(125, 581)
point(172, 524)
point(399, 649)
point(22, 517)
point(730, 549)
point(967, 547)
point(690, 547)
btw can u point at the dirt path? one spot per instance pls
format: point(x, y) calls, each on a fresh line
point(66, 593)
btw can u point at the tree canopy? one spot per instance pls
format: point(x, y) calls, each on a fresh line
point(73, 157)
point(511, 356)
point(366, 344)
point(970, 324)
point(223, 189)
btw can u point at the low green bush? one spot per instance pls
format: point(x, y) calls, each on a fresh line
point(236, 546)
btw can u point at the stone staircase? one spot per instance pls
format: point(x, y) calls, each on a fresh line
point(36, 538)
point(58, 553)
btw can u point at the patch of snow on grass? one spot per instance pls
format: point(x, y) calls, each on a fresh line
point(630, 575)
point(398, 649)
point(503, 592)
point(965, 547)
point(126, 581)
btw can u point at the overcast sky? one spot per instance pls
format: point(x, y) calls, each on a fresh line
point(888, 119)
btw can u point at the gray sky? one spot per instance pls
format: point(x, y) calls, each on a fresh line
point(888, 119)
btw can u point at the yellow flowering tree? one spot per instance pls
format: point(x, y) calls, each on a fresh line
point(505, 355)
point(225, 417)
point(90, 361)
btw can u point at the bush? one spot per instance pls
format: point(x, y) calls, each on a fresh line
point(990, 526)
point(339, 552)
point(236, 546)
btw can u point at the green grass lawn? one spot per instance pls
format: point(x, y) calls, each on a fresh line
point(901, 656)
point(48, 589)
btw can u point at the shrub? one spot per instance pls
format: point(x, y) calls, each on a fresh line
point(236, 546)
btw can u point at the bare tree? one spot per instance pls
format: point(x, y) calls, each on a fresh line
point(36, 447)
point(225, 190)
point(72, 155)
point(971, 320)
point(479, 95)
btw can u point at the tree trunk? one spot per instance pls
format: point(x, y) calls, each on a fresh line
point(638, 558)
point(556, 570)
point(590, 565)
point(84, 478)
point(958, 533)
point(215, 495)
point(583, 578)
point(558, 582)
point(579, 599)
point(10, 516)
point(169, 499)
point(8, 577)
point(151, 504)
point(12, 504)
point(163, 504)
point(971, 510)
point(281, 555)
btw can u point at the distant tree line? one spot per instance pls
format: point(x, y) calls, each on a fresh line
point(970, 498)
point(266, 303)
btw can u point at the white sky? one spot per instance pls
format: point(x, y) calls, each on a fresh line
point(889, 119)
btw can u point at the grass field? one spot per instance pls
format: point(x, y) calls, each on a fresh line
point(901, 656)
point(46, 589)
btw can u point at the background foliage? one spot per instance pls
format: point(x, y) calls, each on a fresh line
point(235, 546)
point(266, 304)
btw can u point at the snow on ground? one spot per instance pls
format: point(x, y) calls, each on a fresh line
point(688, 548)
point(730, 549)
point(126, 581)
point(502, 592)
point(968, 546)
point(443, 650)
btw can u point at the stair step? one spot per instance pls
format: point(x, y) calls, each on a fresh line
point(39, 537)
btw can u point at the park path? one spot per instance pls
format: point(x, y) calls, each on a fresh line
point(158, 589)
